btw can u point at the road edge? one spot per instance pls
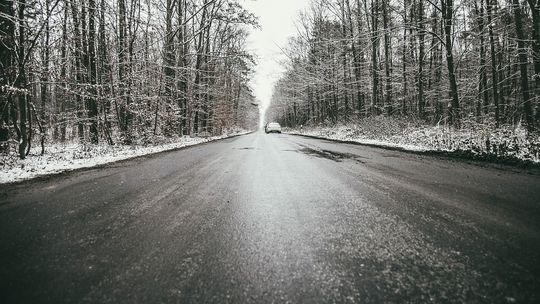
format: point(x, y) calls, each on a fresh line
point(481, 160)
point(105, 165)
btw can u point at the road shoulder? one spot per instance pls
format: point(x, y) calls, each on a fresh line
point(490, 161)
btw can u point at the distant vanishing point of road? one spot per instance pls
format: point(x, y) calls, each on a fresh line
point(274, 219)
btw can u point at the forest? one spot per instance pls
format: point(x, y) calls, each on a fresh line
point(457, 64)
point(122, 71)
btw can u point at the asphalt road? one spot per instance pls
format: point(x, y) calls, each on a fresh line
point(274, 218)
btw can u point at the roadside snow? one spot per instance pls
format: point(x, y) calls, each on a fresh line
point(344, 133)
point(70, 156)
point(476, 140)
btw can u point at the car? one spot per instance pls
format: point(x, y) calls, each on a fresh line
point(272, 127)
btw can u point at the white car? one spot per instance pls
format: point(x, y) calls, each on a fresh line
point(272, 127)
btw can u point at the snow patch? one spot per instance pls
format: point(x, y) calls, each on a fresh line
point(70, 156)
point(476, 139)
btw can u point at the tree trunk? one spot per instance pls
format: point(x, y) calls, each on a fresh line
point(447, 9)
point(92, 73)
point(169, 59)
point(345, 66)
point(7, 68)
point(198, 71)
point(20, 83)
point(421, 55)
point(522, 55)
point(124, 117)
point(182, 64)
point(493, 53)
point(63, 75)
point(356, 58)
point(104, 74)
point(45, 76)
point(535, 11)
point(374, 56)
point(404, 62)
point(387, 58)
point(483, 97)
point(79, 61)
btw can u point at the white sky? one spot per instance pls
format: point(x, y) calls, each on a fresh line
point(277, 19)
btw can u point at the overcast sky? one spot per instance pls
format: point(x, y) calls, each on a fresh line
point(277, 19)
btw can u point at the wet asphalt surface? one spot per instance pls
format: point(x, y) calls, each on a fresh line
point(274, 219)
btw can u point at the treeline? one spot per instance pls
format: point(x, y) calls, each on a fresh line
point(122, 71)
point(441, 61)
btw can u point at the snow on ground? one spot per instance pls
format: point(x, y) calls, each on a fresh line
point(69, 156)
point(474, 139)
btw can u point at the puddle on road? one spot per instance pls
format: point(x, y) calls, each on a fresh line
point(331, 155)
point(246, 148)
